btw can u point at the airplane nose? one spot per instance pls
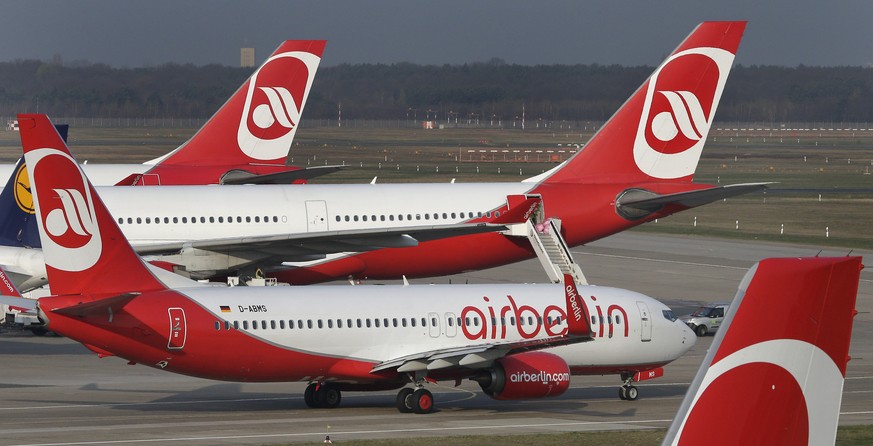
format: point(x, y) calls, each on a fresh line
point(688, 336)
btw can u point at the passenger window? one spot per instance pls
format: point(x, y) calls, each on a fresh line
point(248, 219)
point(394, 321)
point(291, 324)
point(120, 221)
point(403, 321)
point(211, 219)
point(355, 218)
point(275, 219)
point(227, 325)
point(364, 218)
point(175, 219)
point(245, 325)
point(381, 218)
point(221, 219)
point(449, 320)
point(217, 325)
point(385, 322)
point(423, 322)
point(236, 325)
point(264, 325)
point(433, 321)
point(412, 321)
point(282, 324)
point(376, 322)
point(238, 219)
point(368, 323)
point(427, 216)
point(408, 217)
point(359, 323)
point(129, 220)
point(391, 217)
point(453, 215)
point(339, 323)
point(349, 323)
point(329, 323)
point(617, 319)
point(337, 218)
point(320, 324)
point(309, 323)
point(400, 217)
point(202, 219)
point(418, 216)
point(148, 220)
point(347, 218)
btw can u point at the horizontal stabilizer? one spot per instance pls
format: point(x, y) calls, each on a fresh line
point(638, 203)
point(100, 307)
point(286, 177)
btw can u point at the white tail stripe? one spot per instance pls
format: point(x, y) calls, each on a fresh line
point(73, 204)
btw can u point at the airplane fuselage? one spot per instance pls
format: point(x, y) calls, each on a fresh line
point(342, 332)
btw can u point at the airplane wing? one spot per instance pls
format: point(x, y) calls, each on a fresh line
point(482, 355)
point(9, 295)
point(306, 245)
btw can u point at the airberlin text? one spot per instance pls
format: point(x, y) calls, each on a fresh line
point(252, 308)
point(539, 377)
point(497, 318)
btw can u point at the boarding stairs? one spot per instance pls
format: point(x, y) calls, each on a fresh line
point(550, 247)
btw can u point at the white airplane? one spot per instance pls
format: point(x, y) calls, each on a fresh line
point(638, 167)
point(247, 140)
point(776, 380)
point(516, 341)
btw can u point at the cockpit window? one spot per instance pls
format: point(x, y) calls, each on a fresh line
point(668, 314)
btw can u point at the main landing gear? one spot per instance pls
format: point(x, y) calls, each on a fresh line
point(418, 400)
point(628, 391)
point(322, 396)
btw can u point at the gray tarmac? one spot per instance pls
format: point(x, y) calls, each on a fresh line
point(55, 392)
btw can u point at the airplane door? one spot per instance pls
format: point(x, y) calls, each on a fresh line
point(451, 325)
point(178, 329)
point(433, 321)
point(645, 322)
point(316, 216)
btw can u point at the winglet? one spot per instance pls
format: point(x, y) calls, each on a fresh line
point(519, 212)
point(577, 313)
point(83, 247)
point(776, 367)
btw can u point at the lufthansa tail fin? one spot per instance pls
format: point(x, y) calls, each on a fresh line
point(659, 133)
point(776, 367)
point(17, 219)
point(257, 124)
point(83, 247)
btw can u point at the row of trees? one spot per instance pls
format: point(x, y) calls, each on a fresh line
point(407, 91)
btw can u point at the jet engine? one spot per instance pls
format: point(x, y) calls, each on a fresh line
point(524, 376)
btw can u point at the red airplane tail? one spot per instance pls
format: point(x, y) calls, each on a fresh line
point(257, 124)
point(776, 368)
point(659, 133)
point(84, 248)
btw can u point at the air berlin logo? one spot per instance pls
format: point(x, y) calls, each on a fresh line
point(274, 101)
point(685, 115)
point(681, 98)
point(280, 110)
point(74, 217)
point(69, 231)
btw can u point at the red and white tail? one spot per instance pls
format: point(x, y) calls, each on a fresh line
point(83, 247)
point(257, 124)
point(774, 373)
point(659, 133)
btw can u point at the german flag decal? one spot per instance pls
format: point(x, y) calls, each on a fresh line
point(225, 309)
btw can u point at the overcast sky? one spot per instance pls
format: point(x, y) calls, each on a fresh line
point(126, 33)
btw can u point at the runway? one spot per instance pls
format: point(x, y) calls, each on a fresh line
point(55, 392)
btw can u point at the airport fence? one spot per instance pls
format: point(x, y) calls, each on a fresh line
point(530, 124)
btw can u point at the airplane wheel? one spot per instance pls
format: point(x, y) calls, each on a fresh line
point(328, 396)
point(622, 393)
point(700, 330)
point(404, 400)
point(309, 396)
point(632, 393)
point(422, 401)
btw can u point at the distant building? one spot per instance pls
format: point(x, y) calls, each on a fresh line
point(247, 57)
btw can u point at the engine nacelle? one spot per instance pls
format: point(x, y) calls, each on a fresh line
point(524, 376)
